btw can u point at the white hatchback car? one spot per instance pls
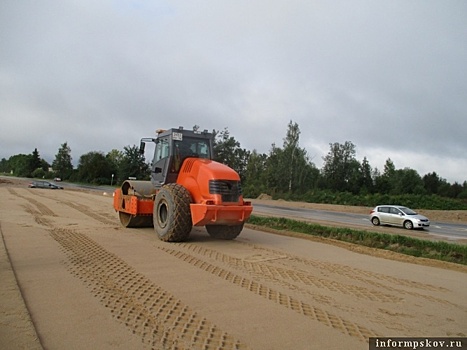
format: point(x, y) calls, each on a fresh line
point(398, 215)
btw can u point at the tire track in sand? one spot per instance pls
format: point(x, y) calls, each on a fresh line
point(277, 274)
point(347, 327)
point(367, 277)
point(347, 271)
point(43, 209)
point(89, 212)
point(159, 318)
point(162, 320)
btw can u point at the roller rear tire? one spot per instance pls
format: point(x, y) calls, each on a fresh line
point(134, 221)
point(172, 215)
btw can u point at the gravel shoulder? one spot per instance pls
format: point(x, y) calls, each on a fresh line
point(72, 277)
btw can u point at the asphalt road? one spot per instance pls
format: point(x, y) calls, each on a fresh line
point(446, 230)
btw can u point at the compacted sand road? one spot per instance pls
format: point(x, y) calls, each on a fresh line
point(87, 283)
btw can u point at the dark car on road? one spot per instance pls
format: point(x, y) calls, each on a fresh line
point(398, 215)
point(45, 184)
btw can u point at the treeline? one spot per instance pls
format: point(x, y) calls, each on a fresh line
point(93, 167)
point(287, 172)
point(284, 172)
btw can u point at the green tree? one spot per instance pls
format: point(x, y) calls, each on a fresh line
point(384, 183)
point(20, 165)
point(463, 193)
point(455, 190)
point(302, 172)
point(45, 166)
point(432, 182)
point(288, 169)
point(227, 151)
point(255, 175)
point(366, 185)
point(360, 177)
point(62, 165)
point(39, 173)
point(444, 188)
point(276, 171)
point(132, 164)
point(355, 178)
point(116, 158)
point(4, 166)
point(339, 166)
point(34, 162)
point(408, 181)
point(291, 152)
point(94, 168)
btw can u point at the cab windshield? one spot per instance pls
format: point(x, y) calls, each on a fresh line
point(192, 147)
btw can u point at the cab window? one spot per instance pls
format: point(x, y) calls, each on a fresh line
point(192, 147)
point(162, 150)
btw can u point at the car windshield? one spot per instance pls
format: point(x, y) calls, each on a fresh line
point(407, 211)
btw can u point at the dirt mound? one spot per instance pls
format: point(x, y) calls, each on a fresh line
point(9, 181)
point(264, 196)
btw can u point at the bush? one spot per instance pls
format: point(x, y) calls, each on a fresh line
point(415, 201)
point(39, 173)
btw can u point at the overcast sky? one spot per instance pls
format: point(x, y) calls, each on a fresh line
point(389, 76)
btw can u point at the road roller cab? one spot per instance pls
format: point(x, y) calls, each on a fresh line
point(187, 188)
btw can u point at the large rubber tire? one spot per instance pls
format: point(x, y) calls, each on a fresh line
point(224, 231)
point(172, 215)
point(408, 225)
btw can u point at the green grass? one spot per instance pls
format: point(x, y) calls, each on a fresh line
point(444, 251)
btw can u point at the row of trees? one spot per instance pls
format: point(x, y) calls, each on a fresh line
point(93, 167)
point(288, 170)
point(285, 171)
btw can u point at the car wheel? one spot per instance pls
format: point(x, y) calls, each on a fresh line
point(408, 225)
point(375, 221)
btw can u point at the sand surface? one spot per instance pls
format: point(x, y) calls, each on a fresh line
point(73, 278)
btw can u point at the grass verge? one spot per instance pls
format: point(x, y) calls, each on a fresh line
point(443, 251)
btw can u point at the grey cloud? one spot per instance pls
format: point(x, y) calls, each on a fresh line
point(388, 76)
